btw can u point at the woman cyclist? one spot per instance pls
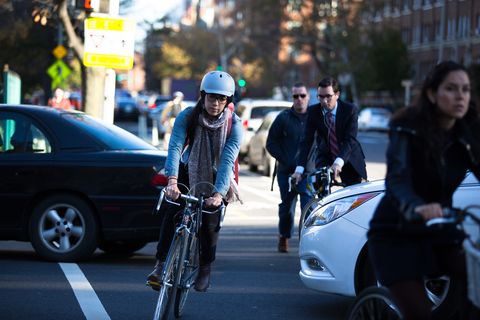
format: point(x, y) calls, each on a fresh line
point(203, 147)
point(431, 147)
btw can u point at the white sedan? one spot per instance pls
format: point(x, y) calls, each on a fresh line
point(333, 252)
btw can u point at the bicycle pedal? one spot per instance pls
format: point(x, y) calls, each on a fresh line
point(154, 285)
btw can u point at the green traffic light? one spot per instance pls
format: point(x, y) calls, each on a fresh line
point(242, 83)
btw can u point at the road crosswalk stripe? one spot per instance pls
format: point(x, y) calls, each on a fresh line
point(87, 298)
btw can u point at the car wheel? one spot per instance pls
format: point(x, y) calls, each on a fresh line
point(121, 247)
point(63, 228)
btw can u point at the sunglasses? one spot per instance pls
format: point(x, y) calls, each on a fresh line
point(326, 96)
point(296, 96)
point(214, 97)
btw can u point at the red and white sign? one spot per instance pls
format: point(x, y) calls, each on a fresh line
point(109, 42)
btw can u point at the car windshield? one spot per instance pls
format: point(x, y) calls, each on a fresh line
point(113, 137)
point(260, 112)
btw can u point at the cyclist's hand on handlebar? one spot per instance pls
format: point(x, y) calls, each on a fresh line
point(336, 169)
point(429, 211)
point(172, 191)
point(297, 177)
point(214, 201)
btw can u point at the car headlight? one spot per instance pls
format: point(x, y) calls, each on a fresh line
point(336, 209)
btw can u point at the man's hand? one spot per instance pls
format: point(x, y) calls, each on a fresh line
point(429, 211)
point(297, 177)
point(214, 201)
point(336, 169)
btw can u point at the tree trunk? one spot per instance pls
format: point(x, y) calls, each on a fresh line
point(93, 81)
point(94, 91)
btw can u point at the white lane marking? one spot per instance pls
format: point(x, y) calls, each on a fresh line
point(87, 298)
point(258, 193)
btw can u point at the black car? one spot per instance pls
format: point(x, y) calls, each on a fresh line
point(126, 108)
point(70, 183)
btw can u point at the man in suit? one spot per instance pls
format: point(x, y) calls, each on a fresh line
point(335, 123)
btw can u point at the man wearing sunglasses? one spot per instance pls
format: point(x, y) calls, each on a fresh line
point(282, 143)
point(336, 124)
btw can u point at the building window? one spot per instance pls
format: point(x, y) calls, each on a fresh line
point(438, 32)
point(417, 4)
point(406, 35)
point(416, 35)
point(426, 33)
point(477, 26)
point(451, 29)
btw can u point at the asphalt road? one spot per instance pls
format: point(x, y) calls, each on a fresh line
point(250, 279)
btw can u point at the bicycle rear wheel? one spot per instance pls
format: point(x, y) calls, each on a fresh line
point(306, 211)
point(190, 270)
point(169, 280)
point(374, 303)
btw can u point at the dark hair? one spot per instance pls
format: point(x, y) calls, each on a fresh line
point(329, 81)
point(299, 85)
point(425, 113)
point(427, 109)
point(193, 117)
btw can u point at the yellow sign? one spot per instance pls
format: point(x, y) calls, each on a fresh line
point(109, 42)
point(59, 51)
point(108, 61)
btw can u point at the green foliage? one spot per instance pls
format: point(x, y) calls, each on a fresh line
point(26, 46)
point(186, 54)
point(386, 61)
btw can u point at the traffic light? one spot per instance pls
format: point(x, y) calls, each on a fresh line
point(242, 83)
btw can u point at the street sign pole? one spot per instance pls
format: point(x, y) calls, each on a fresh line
point(110, 76)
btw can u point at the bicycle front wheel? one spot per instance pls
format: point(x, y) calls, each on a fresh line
point(306, 211)
point(374, 303)
point(191, 263)
point(169, 280)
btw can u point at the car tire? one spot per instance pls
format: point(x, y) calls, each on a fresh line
point(63, 228)
point(124, 248)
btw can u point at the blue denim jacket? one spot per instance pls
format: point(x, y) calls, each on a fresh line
point(227, 160)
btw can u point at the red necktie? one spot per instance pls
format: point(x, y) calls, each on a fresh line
point(332, 137)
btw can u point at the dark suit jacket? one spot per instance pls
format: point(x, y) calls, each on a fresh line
point(346, 127)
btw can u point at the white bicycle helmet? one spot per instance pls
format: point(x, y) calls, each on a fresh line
point(218, 82)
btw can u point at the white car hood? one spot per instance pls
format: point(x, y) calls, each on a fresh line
point(366, 187)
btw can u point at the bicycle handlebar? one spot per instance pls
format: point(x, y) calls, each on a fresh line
point(187, 197)
point(454, 216)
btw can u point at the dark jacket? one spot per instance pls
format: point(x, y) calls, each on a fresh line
point(346, 127)
point(416, 176)
point(284, 137)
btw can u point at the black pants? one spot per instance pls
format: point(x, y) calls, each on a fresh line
point(208, 232)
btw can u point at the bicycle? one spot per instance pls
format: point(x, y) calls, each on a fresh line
point(319, 185)
point(377, 303)
point(182, 263)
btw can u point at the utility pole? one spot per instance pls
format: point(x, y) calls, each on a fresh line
point(110, 75)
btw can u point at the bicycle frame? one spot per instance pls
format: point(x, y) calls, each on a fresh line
point(182, 261)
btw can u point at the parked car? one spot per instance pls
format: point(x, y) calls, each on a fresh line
point(257, 152)
point(333, 252)
point(252, 112)
point(71, 183)
point(374, 119)
point(126, 108)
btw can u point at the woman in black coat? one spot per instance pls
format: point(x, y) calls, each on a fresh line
point(432, 145)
